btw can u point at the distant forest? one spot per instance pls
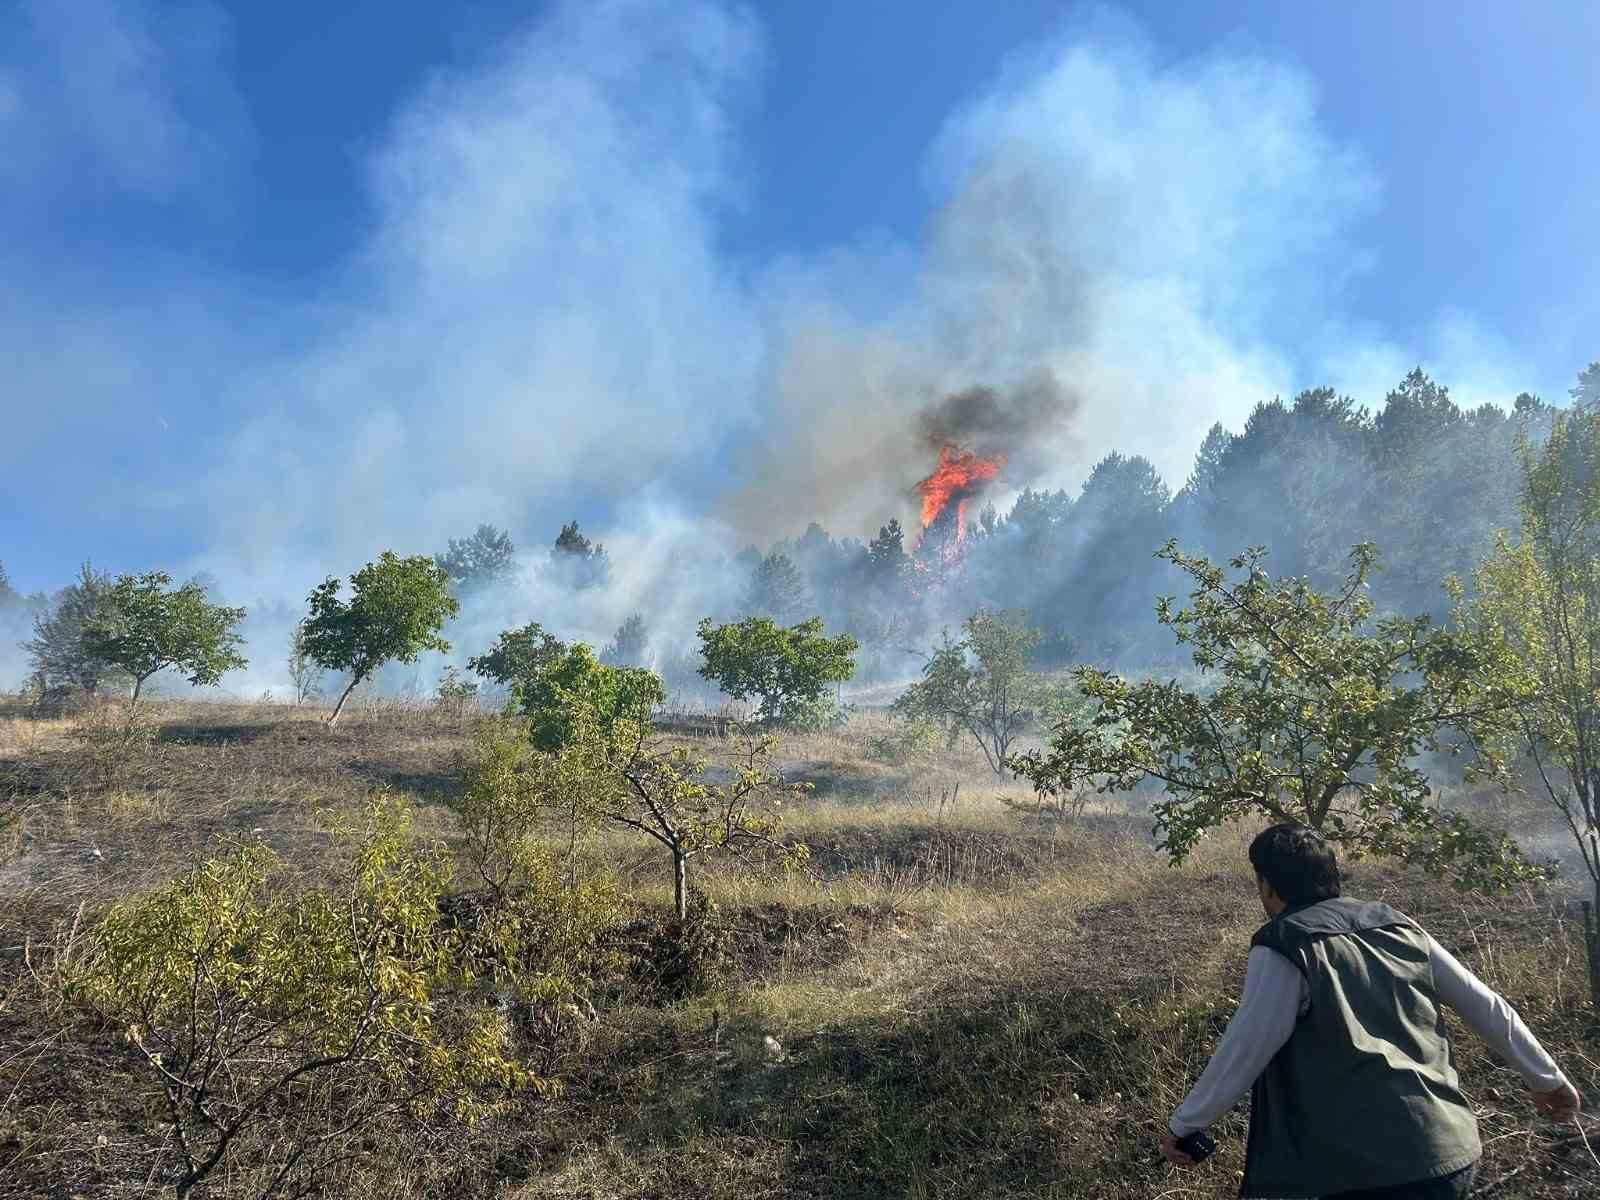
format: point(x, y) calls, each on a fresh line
point(1425, 480)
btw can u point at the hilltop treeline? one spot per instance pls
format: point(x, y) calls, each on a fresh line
point(1425, 479)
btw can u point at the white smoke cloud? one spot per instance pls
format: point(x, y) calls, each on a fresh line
point(1155, 235)
point(540, 308)
point(539, 321)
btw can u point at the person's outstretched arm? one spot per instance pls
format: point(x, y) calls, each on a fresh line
point(1489, 1016)
point(1268, 1009)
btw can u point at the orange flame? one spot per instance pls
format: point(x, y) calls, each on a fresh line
point(956, 477)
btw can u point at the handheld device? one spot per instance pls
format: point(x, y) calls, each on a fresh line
point(1198, 1145)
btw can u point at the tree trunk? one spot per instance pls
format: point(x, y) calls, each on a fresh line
point(138, 686)
point(680, 883)
point(339, 707)
point(1591, 943)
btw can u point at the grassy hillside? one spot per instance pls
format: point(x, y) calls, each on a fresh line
point(956, 999)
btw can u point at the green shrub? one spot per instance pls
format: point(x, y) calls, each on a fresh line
point(905, 742)
point(287, 1023)
point(535, 926)
point(455, 693)
point(790, 669)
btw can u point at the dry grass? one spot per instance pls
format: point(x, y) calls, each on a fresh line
point(968, 1001)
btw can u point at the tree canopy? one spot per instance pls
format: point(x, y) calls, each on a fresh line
point(790, 669)
point(980, 684)
point(59, 650)
point(518, 654)
point(1536, 612)
point(1312, 710)
point(575, 680)
point(629, 644)
point(480, 560)
point(777, 590)
point(580, 562)
point(145, 626)
point(396, 609)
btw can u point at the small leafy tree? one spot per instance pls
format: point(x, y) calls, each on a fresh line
point(789, 668)
point(59, 650)
point(1319, 714)
point(664, 794)
point(1537, 612)
point(305, 676)
point(518, 654)
point(531, 929)
point(455, 693)
point(627, 646)
point(981, 685)
point(397, 607)
point(577, 680)
point(259, 1011)
point(480, 560)
point(616, 772)
point(145, 626)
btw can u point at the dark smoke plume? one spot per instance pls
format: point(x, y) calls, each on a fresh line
point(1024, 424)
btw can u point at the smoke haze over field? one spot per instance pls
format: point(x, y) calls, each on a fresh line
point(541, 317)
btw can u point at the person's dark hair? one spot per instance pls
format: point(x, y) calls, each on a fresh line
point(1298, 864)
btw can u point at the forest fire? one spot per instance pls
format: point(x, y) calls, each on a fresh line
point(955, 480)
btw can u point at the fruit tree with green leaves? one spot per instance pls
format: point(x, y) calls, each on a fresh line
point(288, 1025)
point(980, 684)
point(518, 654)
point(576, 680)
point(1313, 711)
point(623, 775)
point(145, 625)
point(396, 609)
point(1536, 610)
point(789, 668)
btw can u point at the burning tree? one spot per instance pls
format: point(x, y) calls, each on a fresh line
point(945, 495)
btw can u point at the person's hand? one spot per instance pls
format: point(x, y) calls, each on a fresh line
point(1169, 1148)
point(1560, 1103)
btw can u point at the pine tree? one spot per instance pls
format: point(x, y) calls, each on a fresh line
point(582, 562)
point(61, 651)
point(777, 590)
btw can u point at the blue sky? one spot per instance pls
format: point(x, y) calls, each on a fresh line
point(287, 283)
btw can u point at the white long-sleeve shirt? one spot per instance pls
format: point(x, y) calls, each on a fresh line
point(1274, 996)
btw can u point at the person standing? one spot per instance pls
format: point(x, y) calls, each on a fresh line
point(1340, 1038)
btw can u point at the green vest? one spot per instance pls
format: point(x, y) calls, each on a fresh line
point(1364, 1093)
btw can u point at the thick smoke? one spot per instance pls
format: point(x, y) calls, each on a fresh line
point(1016, 424)
point(983, 417)
point(1141, 233)
point(540, 318)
